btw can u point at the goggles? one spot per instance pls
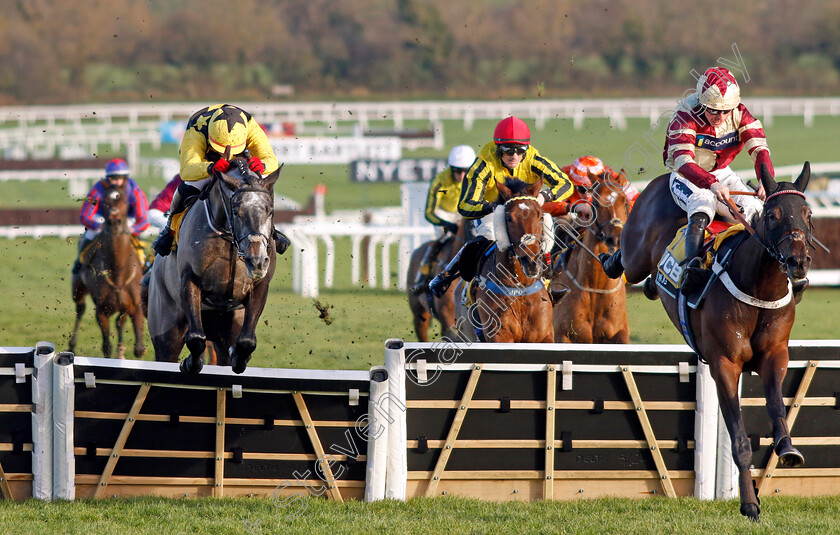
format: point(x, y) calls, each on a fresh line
point(509, 150)
point(717, 112)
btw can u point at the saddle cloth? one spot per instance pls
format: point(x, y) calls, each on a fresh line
point(670, 267)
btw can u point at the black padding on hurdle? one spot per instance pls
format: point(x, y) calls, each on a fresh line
point(422, 444)
point(566, 437)
point(755, 442)
point(18, 438)
point(237, 456)
point(682, 445)
point(448, 353)
point(837, 401)
point(504, 404)
point(268, 422)
point(598, 406)
point(90, 451)
point(174, 419)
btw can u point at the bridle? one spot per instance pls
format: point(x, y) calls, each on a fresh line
point(228, 203)
point(525, 240)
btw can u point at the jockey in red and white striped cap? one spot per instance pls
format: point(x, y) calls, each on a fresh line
point(706, 131)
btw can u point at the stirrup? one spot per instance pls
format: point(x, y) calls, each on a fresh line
point(694, 277)
point(441, 283)
point(420, 287)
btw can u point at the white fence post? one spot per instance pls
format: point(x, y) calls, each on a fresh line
point(64, 460)
point(397, 470)
point(42, 422)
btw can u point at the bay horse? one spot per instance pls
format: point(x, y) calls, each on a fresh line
point(213, 286)
point(111, 274)
point(747, 333)
point(512, 303)
point(426, 306)
point(595, 308)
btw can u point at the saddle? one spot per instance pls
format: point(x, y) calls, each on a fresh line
point(139, 248)
point(717, 243)
point(177, 219)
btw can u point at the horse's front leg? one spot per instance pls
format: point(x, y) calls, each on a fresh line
point(773, 370)
point(104, 326)
point(195, 339)
point(246, 342)
point(79, 292)
point(726, 375)
point(138, 319)
point(120, 323)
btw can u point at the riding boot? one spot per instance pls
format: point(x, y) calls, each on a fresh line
point(441, 283)
point(695, 275)
point(281, 242)
point(424, 272)
point(77, 265)
point(612, 264)
point(163, 243)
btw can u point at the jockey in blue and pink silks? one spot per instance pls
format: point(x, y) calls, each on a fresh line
point(116, 173)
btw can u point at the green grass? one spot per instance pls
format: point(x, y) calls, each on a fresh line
point(421, 516)
point(37, 306)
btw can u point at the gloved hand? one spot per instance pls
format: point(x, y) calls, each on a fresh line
point(256, 165)
point(546, 195)
point(583, 210)
point(221, 166)
point(451, 228)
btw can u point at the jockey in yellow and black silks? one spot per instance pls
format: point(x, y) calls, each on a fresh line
point(442, 210)
point(213, 135)
point(510, 155)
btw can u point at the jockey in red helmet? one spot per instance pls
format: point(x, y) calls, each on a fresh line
point(510, 155)
point(706, 131)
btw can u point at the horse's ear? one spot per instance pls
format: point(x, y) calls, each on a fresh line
point(269, 180)
point(767, 180)
point(232, 183)
point(802, 181)
point(535, 188)
point(504, 191)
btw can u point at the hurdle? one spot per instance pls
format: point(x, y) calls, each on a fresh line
point(567, 421)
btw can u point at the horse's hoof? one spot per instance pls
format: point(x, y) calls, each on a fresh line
point(751, 511)
point(237, 362)
point(193, 367)
point(789, 457)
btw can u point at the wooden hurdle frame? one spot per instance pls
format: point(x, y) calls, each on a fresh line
point(220, 456)
point(713, 475)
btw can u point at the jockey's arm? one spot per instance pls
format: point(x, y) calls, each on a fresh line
point(557, 181)
point(139, 209)
point(193, 153)
point(88, 216)
point(157, 218)
point(432, 202)
point(472, 204)
point(259, 146)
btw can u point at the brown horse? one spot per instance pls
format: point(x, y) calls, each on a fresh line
point(214, 286)
point(736, 334)
point(425, 306)
point(512, 303)
point(111, 275)
point(595, 308)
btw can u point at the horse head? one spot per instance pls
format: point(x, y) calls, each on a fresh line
point(250, 211)
point(786, 226)
point(114, 205)
point(610, 206)
point(522, 233)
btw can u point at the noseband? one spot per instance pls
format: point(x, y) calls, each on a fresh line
point(229, 213)
point(526, 239)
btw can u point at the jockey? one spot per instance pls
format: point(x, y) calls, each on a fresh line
point(442, 209)
point(116, 174)
point(160, 205)
point(214, 134)
point(706, 131)
point(578, 171)
point(510, 155)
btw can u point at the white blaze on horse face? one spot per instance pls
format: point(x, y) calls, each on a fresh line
point(523, 206)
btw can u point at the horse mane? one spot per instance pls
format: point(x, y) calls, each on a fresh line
point(518, 187)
